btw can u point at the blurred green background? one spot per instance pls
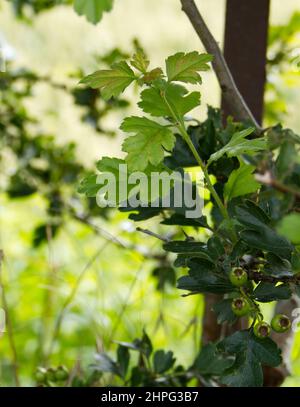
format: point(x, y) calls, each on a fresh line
point(110, 290)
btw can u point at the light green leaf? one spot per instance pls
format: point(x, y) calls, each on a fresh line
point(147, 146)
point(239, 145)
point(92, 9)
point(290, 227)
point(140, 61)
point(185, 67)
point(88, 186)
point(166, 99)
point(241, 182)
point(113, 81)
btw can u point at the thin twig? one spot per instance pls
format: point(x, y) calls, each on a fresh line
point(149, 233)
point(257, 276)
point(268, 179)
point(9, 326)
point(230, 91)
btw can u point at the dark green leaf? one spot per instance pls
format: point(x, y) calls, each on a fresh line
point(211, 362)
point(163, 361)
point(251, 354)
point(267, 292)
point(123, 359)
point(224, 312)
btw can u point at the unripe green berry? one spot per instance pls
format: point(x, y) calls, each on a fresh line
point(50, 375)
point(61, 373)
point(262, 330)
point(281, 323)
point(240, 306)
point(238, 277)
point(40, 375)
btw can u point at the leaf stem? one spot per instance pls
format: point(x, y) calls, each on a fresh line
point(210, 186)
point(179, 123)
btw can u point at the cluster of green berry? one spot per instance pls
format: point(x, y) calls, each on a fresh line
point(51, 375)
point(244, 305)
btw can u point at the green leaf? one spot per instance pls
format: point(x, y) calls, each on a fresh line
point(251, 354)
point(163, 361)
point(277, 267)
point(215, 247)
point(259, 235)
point(148, 145)
point(123, 358)
point(88, 186)
point(241, 182)
point(266, 239)
point(239, 145)
point(180, 220)
point(181, 246)
point(105, 364)
point(211, 362)
point(203, 277)
point(113, 81)
point(92, 9)
point(185, 67)
point(164, 99)
point(289, 227)
point(224, 312)
point(140, 61)
point(267, 292)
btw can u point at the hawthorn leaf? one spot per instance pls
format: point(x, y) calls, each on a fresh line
point(224, 312)
point(241, 182)
point(239, 145)
point(163, 361)
point(148, 145)
point(185, 67)
point(105, 364)
point(92, 9)
point(180, 220)
point(267, 292)
point(140, 61)
point(203, 277)
point(266, 239)
point(153, 75)
point(113, 81)
point(251, 354)
point(88, 186)
point(211, 362)
point(166, 99)
point(181, 246)
point(278, 267)
point(123, 358)
point(258, 234)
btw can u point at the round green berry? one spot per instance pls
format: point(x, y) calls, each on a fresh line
point(61, 373)
point(40, 375)
point(50, 375)
point(240, 306)
point(262, 330)
point(238, 276)
point(281, 323)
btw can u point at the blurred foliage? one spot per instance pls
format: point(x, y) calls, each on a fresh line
point(73, 288)
point(283, 67)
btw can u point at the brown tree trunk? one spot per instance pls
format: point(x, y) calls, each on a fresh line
point(246, 36)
